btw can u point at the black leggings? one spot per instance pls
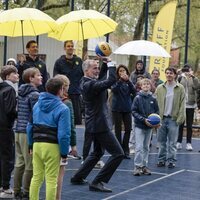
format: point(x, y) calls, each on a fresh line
point(189, 122)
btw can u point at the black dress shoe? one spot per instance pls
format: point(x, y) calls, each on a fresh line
point(99, 187)
point(78, 181)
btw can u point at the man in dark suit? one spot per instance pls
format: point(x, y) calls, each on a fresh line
point(94, 91)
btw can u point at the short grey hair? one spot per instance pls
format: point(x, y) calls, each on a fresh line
point(87, 64)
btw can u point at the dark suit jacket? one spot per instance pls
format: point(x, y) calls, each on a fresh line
point(94, 94)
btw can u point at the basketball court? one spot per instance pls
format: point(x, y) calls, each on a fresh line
point(180, 183)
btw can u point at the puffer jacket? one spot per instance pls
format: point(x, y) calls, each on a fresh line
point(27, 97)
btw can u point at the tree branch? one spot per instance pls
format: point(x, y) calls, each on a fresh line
point(55, 6)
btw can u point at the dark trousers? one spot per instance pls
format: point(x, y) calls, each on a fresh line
point(6, 158)
point(76, 102)
point(120, 118)
point(189, 122)
point(87, 144)
point(102, 141)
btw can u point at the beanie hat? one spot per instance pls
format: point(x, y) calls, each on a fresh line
point(11, 60)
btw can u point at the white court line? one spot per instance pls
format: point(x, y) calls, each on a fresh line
point(180, 153)
point(196, 138)
point(118, 170)
point(145, 184)
point(193, 171)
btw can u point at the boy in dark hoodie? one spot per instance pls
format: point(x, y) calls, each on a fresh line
point(8, 114)
point(143, 105)
point(27, 96)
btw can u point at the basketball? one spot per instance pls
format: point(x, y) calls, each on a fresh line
point(154, 119)
point(103, 49)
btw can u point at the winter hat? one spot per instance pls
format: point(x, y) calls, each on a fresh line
point(11, 61)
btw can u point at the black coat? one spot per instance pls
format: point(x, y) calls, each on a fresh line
point(8, 104)
point(72, 68)
point(95, 96)
point(38, 63)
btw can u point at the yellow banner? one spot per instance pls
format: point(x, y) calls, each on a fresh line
point(162, 34)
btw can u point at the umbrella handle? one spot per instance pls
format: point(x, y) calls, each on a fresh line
point(22, 35)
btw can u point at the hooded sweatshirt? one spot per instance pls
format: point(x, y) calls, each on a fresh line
point(51, 123)
point(143, 105)
point(8, 104)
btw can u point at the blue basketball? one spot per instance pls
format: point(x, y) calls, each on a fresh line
point(154, 119)
point(103, 49)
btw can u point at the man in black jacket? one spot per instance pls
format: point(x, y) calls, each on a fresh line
point(8, 114)
point(95, 95)
point(33, 60)
point(70, 65)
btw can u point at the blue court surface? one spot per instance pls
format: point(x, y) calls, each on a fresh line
point(179, 183)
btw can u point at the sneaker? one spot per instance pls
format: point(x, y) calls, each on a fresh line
point(178, 146)
point(189, 147)
point(1, 189)
point(100, 164)
point(137, 171)
point(7, 194)
point(161, 164)
point(146, 170)
point(171, 165)
point(74, 155)
point(132, 151)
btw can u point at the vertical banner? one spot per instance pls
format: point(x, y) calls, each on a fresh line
point(162, 34)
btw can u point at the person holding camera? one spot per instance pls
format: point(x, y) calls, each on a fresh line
point(191, 84)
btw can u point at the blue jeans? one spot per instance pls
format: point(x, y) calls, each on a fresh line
point(167, 137)
point(142, 142)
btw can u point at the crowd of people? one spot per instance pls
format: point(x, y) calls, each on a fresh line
point(39, 114)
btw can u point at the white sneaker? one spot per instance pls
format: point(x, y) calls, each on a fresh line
point(178, 146)
point(132, 151)
point(189, 147)
point(7, 194)
point(100, 164)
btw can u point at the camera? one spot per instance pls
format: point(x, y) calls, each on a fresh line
point(185, 69)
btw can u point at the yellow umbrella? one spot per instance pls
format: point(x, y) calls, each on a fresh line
point(25, 22)
point(83, 24)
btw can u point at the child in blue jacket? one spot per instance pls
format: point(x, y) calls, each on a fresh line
point(49, 137)
point(143, 105)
